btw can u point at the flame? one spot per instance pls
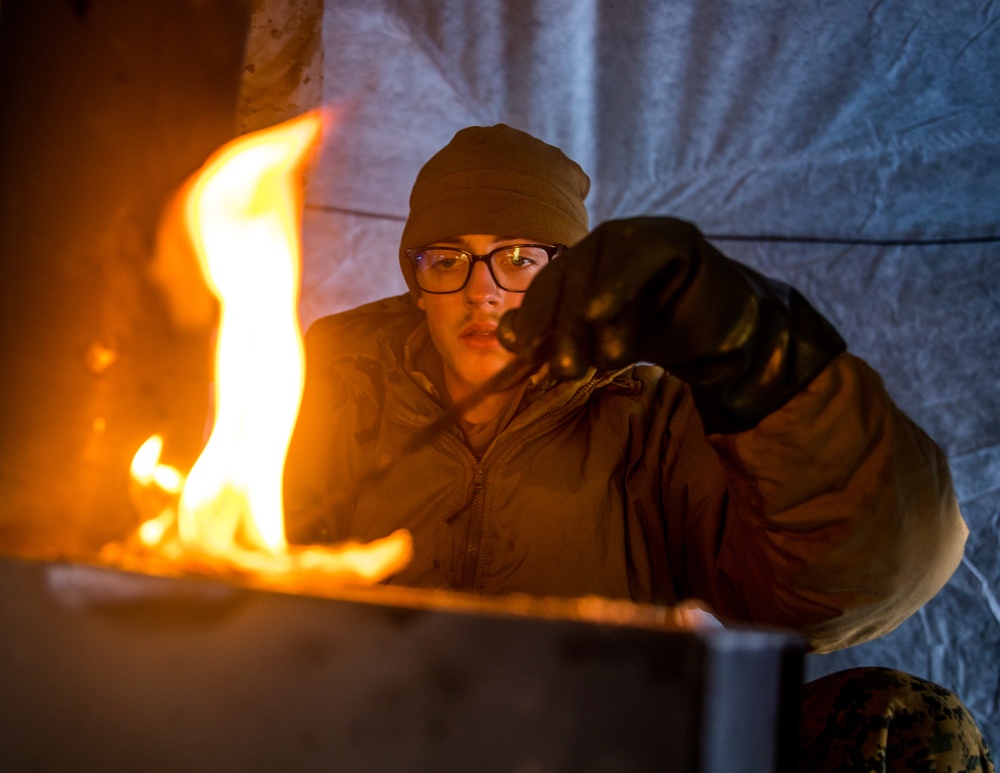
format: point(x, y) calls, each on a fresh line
point(146, 468)
point(242, 212)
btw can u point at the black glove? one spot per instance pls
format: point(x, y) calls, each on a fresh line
point(652, 289)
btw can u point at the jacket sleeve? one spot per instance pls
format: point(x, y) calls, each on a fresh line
point(325, 454)
point(339, 414)
point(834, 516)
point(314, 484)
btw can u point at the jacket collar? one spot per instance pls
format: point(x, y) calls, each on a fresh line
point(389, 337)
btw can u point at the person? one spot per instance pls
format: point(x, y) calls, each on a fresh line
point(678, 426)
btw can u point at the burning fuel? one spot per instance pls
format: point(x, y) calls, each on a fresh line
point(242, 215)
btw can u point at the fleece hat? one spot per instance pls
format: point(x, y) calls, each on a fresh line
point(495, 180)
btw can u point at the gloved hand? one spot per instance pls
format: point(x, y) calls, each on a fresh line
point(652, 289)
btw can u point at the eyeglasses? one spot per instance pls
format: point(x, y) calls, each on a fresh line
point(447, 270)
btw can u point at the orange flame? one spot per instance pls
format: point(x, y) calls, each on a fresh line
point(242, 211)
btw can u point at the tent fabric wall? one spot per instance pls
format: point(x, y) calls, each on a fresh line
point(850, 148)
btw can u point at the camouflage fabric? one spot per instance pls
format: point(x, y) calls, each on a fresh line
point(879, 719)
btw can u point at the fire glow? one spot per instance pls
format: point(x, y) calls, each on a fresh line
point(242, 214)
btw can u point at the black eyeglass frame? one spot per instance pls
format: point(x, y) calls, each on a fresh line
point(551, 250)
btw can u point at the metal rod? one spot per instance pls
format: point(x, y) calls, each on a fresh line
point(517, 369)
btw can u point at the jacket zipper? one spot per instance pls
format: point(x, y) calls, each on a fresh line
point(472, 543)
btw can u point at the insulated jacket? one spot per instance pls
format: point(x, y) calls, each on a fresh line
point(835, 516)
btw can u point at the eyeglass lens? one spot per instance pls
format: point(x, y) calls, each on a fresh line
point(444, 270)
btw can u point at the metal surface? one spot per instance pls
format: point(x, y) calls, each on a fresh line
point(105, 670)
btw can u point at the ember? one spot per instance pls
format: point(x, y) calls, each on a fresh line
point(242, 214)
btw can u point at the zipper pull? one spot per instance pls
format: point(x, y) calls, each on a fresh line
point(477, 486)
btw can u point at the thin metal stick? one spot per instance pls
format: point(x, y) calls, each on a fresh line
point(517, 369)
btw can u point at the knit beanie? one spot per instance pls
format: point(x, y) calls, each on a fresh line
point(500, 181)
